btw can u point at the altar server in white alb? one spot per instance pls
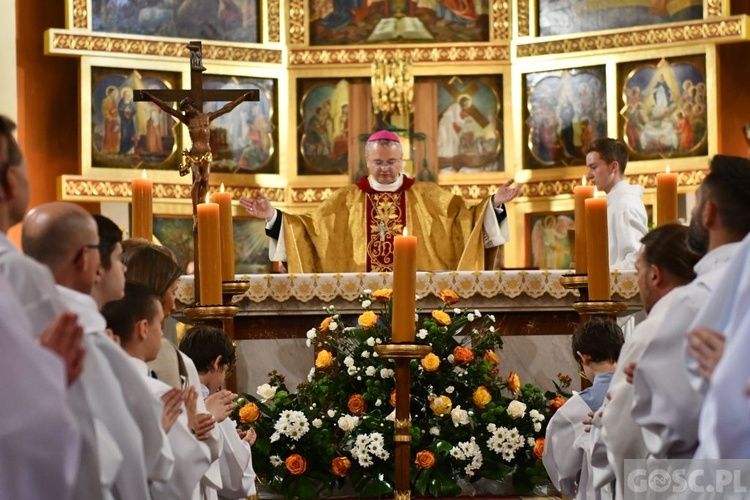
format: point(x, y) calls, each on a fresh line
point(596, 346)
point(626, 216)
point(122, 439)
point(39, 454)
point(664, 263)
point(137, 321)
point(665, 404)
point(213, 353)
point(724, 427)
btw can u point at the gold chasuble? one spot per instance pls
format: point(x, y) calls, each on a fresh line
point(353, 230)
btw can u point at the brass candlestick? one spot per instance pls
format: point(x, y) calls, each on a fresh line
point(578, 282)
point(402, 354)
point(600, 307)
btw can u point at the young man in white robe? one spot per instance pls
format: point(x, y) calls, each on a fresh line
point(596, 345)
point(213, 353)
point(665, 404)
point(664, 263)
point(137, 321)
point(122, 439)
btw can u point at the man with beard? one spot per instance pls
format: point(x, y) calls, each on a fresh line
point(665, 404)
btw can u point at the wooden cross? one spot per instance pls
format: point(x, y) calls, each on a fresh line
point(198, 159)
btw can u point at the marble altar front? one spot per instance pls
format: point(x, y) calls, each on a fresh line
point(533, 311)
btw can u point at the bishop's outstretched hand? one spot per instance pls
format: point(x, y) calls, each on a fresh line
point(506, 193)
point(258, 207)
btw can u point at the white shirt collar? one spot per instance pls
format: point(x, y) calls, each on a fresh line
point(716, 257)
point(140, 366)
point(388, 188)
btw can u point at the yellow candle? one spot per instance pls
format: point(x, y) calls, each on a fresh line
point(142, 224)
point(209, 254)
point(666, 198)
point(404, 288)
point(597, 248)
point(224, 200)
point(581, 194)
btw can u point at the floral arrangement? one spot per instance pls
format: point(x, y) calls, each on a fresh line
point(467, 421)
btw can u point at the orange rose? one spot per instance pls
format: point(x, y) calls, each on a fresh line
point(514, 383)
point(323, 360)
point(249, 413)
point(367, 320)
point(481, 397)
point(430, 362)
point(340, 466)
point(393, 398)
point(441, 317)
point(448, 296)
point(295, 464)
point(441, 405)
point(382, 295)
point(425, 459)
point(356, 404)
point(462, 354)
point(325, 323)
point(539, 448)
point(556, 403)
point(491, 357)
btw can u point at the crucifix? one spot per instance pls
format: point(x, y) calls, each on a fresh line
point(198, 159)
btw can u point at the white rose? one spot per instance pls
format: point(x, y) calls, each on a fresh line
point(333, 325)
point(492, 317)
point(317, 423)
point(516, 409)
point(386, 373)
point(450, 358)
point(308, 343)
point(379, 402)
point(348, 422)
point(470, 317)
point(365, 354)
point(457, 311)
point(371, 341)
point(459, 416)
point(531, 442)
point(422, 334)
point(370, 371)
point(435, 431)
point(450, 389)
point(537, 427)
point(311, 333)
point(477, 313)
point(266, 392)
point(331, 413)
point(349, 361)
point(366, 303)
point(367, 291)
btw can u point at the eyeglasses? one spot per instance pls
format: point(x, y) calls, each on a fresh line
point(83, 249)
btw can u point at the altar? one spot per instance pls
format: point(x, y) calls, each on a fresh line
point(531, 308)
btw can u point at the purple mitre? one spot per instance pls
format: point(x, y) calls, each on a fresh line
point(383, 135)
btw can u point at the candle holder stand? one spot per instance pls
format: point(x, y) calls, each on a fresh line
point(578, 282)
point(229, 289)
point(600, 307)
point(402, 354)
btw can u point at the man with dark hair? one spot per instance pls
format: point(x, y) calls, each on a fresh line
point(665, 263)
point(353, 230)
point(665, 404)
point(213, 353)
point(110, 283)
point(136, 319)
point(596, 346)
point(626, 216)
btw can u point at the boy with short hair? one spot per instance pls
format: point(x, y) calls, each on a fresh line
point(213, 353)
point(596, 346)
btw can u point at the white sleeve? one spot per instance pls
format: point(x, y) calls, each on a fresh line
point(629, 227)
point(236, 463)
point(494, 234)
point(562, 459)
point(276, 248)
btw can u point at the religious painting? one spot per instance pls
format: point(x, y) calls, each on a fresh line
point(244, 141)
point(563, 17)
point(129, 134)
point(664, 108)
point(565, 111)
point(550, 240)
point(354, 22)
point(250, 243)
point(324, 127)
point(228, 20)
point(470, 124)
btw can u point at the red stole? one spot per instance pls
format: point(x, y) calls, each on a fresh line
point(386, 218)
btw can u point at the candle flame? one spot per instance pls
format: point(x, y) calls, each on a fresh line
point(667, 168)
point(583, 180)
point(143, 173)
point(207, 198)
point(221, 190)
point(596, 192)
point(405, 233)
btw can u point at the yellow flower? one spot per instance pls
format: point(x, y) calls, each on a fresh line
point(382, 295)
point(430, 362)
point(514, 383)
point(448, 296)
point(367, 320)
point(441, 317)
point(462, 354)
point(249, 413)
point(491, 357)
point(323, 360)
point(441, 405)
point(295, 464)
point(482, 397)
point(425, 459)
point(325, 323)
point(340, 466)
